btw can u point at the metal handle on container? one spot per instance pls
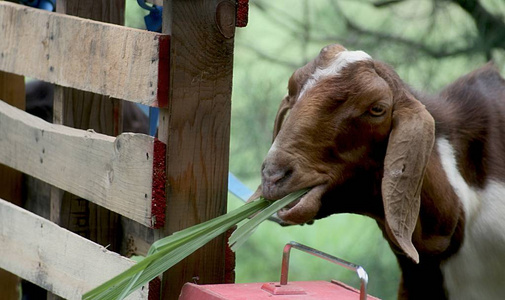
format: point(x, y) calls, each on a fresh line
point(363, 276)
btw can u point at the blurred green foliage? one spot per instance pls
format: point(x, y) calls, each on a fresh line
point(430, 43)
point(134, 15)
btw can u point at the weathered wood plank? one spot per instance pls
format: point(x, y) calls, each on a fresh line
point(116, 173)
point(107, 59)
point(196, 128)
point(55, 258)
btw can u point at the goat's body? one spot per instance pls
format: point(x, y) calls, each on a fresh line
point(476, 270)
point(470, 146)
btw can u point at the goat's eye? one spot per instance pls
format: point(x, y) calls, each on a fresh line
point(377, 109)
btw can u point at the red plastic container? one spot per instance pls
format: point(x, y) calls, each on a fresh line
point(306, 290)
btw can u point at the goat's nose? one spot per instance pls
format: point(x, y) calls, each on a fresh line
point(272, 176)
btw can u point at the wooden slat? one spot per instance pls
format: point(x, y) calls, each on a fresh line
point(55, 258)
point(107, 59)
point(196, 128)
point(116, 173)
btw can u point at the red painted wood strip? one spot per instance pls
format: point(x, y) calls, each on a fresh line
point(158, 203)
point(163, 71)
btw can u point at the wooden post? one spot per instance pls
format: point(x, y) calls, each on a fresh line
point(196, 129)
point(12, 91)
point(86, 110)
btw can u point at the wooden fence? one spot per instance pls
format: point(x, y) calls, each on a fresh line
point(156, 186)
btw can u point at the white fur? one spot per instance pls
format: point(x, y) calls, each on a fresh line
point(273, 148)
point(342, 59)
point(477, 270)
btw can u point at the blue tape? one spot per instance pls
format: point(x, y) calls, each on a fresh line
point(42, 4)
point(155, 17)
point(237, 188)
point(142, 3)
point(153, 120)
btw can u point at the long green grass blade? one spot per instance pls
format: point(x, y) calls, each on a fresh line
point(240, 235)
point(172, 257)
point(168, 251)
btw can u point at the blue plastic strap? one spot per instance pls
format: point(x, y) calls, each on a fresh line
point(237, 188)
point(42, 4)
point(155, 17)
point(153, 120)
point(142, 3)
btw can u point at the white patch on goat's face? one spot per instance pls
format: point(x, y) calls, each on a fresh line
point(476, 270)
point(341, 60)
point(273, 148)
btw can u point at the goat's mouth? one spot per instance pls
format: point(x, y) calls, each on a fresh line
point(304, 209)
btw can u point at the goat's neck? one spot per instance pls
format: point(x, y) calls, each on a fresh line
point(439, 229)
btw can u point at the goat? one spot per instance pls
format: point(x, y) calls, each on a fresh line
point(429, 170)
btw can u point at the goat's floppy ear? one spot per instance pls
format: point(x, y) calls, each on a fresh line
point(284, 107)
point(410, 143)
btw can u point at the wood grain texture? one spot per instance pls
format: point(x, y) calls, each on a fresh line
point(55, 258)
point(107, 59)
point(12, 89)
point(196, 127)
point(115, 173)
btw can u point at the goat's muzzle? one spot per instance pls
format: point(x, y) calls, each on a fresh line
point(273, 178)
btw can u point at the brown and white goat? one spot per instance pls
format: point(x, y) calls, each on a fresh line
point(429, 170)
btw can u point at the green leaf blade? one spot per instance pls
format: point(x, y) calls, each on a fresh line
point(240, 235)
point(168, 251)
